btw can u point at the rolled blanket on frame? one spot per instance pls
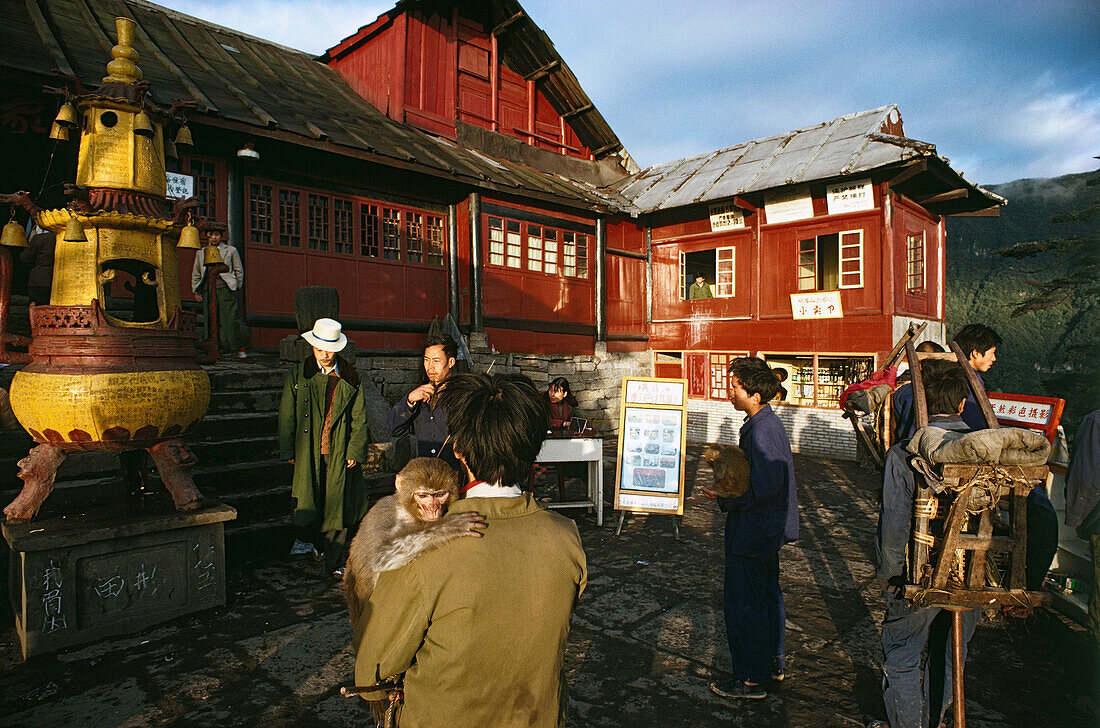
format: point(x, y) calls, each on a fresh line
point(1006, 446)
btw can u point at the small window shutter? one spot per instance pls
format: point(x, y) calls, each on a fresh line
point(851, 259)
point(723, 272)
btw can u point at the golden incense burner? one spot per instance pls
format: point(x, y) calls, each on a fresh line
point(102, 379)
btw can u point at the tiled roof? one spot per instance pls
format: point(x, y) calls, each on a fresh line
point(240, 81)
point(849, 145)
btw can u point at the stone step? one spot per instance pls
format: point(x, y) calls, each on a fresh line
point(244, 377)
point(222, 426)
point(257, 400)
point(237, 450)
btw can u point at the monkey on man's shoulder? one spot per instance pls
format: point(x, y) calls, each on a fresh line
point(404, 525)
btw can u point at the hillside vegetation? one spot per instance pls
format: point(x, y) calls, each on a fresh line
point(1042, 353)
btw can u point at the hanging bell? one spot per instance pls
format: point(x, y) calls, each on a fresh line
point(143, 125)
point(183, 137)
point(211, 255)
point(66, 116)
point(189, 238)
point(170, 150)
point(14, 236)
point(74, 232)
point(59, 132)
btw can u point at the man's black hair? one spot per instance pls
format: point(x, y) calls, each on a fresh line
point(929, 347)
point(497, 422)
point(448, 344)
point(944, 386)
point(756, 377)
point(976, 337)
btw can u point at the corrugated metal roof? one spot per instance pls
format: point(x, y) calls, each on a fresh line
point(848, 145)
point(238, 78)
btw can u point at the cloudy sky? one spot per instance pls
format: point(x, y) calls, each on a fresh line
point(1005, 89)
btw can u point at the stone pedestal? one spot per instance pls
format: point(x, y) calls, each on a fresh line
point(78, 580)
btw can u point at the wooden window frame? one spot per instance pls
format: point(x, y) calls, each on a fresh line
point(816, 382)
point(807, 260)
point(352, 227)
point(536, 249)
point(915, 279)
point(721, 288)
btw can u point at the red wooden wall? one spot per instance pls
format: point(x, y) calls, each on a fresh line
point(626, 285)
point(430, 69)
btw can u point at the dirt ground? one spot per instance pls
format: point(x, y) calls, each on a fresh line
point(646, 639)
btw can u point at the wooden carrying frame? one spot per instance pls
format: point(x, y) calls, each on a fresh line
point(954, 532)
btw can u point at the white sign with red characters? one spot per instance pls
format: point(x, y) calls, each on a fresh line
point(1027, 412)
point(816, 305)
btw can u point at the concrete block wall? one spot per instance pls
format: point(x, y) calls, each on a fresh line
point(813, 431)
point(597, 382)
point(595, 379)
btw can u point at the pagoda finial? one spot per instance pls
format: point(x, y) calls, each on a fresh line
point(123, 68)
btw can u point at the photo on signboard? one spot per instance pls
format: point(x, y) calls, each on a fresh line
point(652, 472)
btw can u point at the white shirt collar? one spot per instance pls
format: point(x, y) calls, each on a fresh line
point(485, 490)
point(330, 372)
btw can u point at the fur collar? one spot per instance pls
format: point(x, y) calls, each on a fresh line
point(346, 370)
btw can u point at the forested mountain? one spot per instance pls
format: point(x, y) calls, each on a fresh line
point(1042, 350)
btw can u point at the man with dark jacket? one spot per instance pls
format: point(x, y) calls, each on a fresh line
point(758, 523)
point(906, 629)
point(419, 412)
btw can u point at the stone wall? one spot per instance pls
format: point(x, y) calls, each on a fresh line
point(596, 381)
point(813, 431)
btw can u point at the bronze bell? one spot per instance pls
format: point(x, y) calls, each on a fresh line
point(170, 150)
point(59, 132)
point(189, 238)
point(143, 125)
point(183, 137)
point(74, 232)
point(211, 255)
point(14, 236)
point(66, 116)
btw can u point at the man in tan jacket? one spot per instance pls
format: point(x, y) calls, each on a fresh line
point(479, 626)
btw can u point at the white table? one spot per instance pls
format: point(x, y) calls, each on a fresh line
point(573, 450)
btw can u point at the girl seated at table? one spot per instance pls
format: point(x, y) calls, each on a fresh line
point(562, 402)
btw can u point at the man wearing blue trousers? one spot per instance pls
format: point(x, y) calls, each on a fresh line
point(916, 697)
point(758, 523)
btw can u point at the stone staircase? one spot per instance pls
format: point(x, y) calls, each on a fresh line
point(236, 445)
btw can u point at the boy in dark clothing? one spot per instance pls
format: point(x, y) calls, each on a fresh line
point(758, 523)
point(905, 628)
point(901, 411)
point(979, 343)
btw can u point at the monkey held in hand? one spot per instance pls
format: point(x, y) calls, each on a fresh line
point(404, 525)
point(731, 470)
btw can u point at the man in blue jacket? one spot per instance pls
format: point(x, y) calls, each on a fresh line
point(912, 694)
point(758, 523)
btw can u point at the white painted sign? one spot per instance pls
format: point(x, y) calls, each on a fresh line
point(642, 391)
point(727, 216)
point(851, 196)
point(1015, 411)
point(180, 186)
point(789, 206)
point(816, 305)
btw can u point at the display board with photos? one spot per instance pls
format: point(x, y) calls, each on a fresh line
point(649, 473)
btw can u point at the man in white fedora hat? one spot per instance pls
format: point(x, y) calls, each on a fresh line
point(323, 433)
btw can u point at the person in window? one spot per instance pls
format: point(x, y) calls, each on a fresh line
point(562, 402)
point(699, 289)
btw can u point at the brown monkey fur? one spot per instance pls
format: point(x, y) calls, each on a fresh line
point(397, 529)
point(731, 470)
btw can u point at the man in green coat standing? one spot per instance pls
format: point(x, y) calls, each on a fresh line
point(323, 433)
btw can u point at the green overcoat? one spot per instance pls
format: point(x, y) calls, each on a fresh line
point(335, 498)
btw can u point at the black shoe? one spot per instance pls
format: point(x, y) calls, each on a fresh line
point(738, 690)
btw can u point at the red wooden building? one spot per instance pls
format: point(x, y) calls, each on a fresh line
point(444, 158)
